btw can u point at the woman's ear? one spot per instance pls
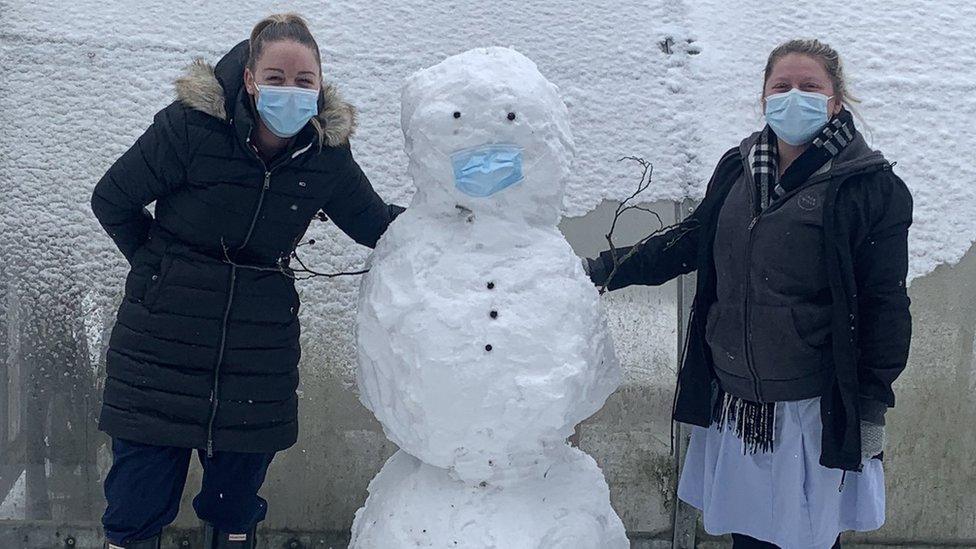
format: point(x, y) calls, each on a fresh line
point(249, 84)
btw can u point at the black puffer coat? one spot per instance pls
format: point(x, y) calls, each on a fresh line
point(204, 352)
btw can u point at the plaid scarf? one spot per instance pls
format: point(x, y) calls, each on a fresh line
point(832, 139)
point(754, 422)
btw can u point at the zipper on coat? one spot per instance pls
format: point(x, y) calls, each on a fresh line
point(746, 320)
point(747, 324)
point(214, 391)
point(257, 211)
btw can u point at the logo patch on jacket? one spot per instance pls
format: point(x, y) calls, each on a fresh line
point(807, 201)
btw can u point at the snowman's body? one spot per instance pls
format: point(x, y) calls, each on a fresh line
point(442, 292)
point(481, 341)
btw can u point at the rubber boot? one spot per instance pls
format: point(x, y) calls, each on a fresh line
point(215, 539)
point(150, 543)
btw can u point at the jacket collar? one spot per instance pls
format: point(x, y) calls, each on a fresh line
point(856, 157)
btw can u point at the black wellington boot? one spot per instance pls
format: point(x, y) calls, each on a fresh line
point(150, 543)
point(215, 539)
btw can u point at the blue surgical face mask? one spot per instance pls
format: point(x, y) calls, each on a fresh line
point(285, 110)
point(485, 170)
point(797, 116)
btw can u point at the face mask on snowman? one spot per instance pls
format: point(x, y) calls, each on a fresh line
point(487, 169)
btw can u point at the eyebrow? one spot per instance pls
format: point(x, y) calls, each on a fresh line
point(273, 69)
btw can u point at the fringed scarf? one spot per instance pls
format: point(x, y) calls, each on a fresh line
point(754, 422)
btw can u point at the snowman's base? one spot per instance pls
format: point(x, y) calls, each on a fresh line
point(412, 504)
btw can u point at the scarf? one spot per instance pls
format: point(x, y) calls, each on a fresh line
point(832, 139)
point(754, 422)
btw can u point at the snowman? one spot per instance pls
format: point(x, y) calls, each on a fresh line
point(482, 342)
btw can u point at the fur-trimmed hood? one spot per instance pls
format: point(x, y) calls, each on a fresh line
point(200, 88)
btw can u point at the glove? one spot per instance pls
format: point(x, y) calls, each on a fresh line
point(872, 439)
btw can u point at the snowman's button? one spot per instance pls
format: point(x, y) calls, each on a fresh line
point(491, 285)
point(493, 314)
point(488, 348)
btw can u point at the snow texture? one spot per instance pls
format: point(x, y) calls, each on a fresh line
point(412, 504)
point(81, 80)
point(481, 341)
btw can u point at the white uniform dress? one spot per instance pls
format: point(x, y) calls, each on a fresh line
point(784, 497)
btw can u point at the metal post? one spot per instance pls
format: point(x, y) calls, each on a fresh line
point(685, 518)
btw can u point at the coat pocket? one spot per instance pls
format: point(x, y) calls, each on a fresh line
point(780, 352)
point(156, 280)
point(724, 335)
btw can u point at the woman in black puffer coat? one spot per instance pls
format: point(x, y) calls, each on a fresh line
point(204, 354)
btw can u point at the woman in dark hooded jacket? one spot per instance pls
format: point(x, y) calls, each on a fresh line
point(205, 350)
point(800, 323)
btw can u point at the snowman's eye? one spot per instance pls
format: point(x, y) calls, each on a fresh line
point(511, 116)
point(457, 114)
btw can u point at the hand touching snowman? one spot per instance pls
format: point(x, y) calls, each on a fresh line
point(482, 343)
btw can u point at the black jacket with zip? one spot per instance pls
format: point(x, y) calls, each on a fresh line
point(867, 211)
point(205, 349)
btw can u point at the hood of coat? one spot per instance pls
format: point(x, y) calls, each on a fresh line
point(214, 90)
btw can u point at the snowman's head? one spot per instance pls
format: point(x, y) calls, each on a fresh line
point(486, 131)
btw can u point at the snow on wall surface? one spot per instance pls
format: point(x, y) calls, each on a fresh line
point(80, 80)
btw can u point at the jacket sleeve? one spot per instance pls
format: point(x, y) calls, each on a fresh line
point(670, 254)
point(356, 208)
point(880, 271)
point(153, 167)
point(659, 260)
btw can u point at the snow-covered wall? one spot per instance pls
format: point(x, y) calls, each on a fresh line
point(676, 82)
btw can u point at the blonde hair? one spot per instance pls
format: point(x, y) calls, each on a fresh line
point(281, 27)
point(827, 56)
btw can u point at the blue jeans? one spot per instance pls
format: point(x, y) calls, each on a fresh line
point(145, 486)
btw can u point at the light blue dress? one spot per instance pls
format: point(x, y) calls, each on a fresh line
point(784, 497)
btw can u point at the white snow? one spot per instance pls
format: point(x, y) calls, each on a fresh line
point(481, 341)
point(416, 505)
point(80, 80)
